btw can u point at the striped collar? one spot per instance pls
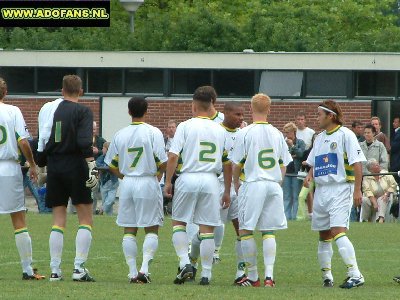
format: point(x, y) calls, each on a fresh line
point(201, 117)
point(333, 130)
point(137, 123)
point(228, 129)
point(215, 115)
point(260, 122)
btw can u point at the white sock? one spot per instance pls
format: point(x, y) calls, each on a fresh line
point(56, 244)
point(195, 250)
point(82, 245)
point(219, 236)
point(129, 246)
point(150, 246)
point(241, 265)
point(24, 246)
point(325, 253)
point(249, 249)
point(348, 254)
point(207, 248)
point(181, 244)
point(269, 251)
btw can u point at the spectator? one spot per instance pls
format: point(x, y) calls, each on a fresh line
point(373, 149)
point(378, 191)
point(358, 128)
point(97, 146)
point(292, 185)
point(395, 147)
point(307, 192)
point(304, 133)
point(170, 133)
point(108, 183)
point(98, 142)
point(380, 136)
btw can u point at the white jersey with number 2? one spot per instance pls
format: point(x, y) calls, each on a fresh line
point(200, 144)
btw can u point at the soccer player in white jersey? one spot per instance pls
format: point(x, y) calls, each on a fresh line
point(233, 112)
point(260, 156)
point(336, 168)
point(198, 151)
point(137, 156)
point(13, 136)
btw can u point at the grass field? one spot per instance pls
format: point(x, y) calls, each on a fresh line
point(296, 271)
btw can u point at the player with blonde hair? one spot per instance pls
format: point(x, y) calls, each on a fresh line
point(260, 156)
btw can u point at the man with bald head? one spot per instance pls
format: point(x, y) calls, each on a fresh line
point(260, 156)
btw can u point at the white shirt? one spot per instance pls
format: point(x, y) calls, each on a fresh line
point(12, 130)
point(218, 117)
point(230, 137)
point(46, 117)
point(306, 136)
point(333, 156)
point(260, 149)
point(200, 145)
point(137, 150)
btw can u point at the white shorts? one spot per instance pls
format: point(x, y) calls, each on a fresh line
point(140, 202)
point(196, 199)
point(261, 206)
point(332, 206)
point(12, 197)
point(232, 212)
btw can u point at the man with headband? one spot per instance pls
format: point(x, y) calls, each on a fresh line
point(335, 162)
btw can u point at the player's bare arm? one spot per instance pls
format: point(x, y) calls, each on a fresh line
point(283, 172)
point(116, 172)
point(171, 167)
point(161, 171)
point(357, 196)
point(309, 178)
point(27, 152)
point(236, 169)
point(226, 198)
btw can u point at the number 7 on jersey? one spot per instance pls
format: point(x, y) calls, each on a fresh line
point(138, 152)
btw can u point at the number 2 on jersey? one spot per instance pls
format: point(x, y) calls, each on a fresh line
point(265, 161)
point(3, 135)
point(208, 150)
point(138, 152)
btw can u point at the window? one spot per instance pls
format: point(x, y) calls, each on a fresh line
point(144, 81)
point(104, 80)
point(376, 84)
point(50, 79)
point(281, 83)
point(234, 83)
point(330, 83)
point(186, 81)
point(19, 80)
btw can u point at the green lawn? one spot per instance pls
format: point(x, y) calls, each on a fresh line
point(296, 272)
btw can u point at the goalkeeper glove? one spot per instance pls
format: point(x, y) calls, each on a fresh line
point(92, 181)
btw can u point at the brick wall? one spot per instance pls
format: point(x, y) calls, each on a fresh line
point(162, 110)
point(281, 112)
point(30, 109)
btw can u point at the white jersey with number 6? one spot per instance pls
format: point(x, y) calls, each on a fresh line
point(12, 129)
point(137, 150)
point(260, 149)
point(200, 144)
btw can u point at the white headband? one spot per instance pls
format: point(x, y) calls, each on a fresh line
point(327, 109)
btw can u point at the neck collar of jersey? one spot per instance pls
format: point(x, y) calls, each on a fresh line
point(261, 122)
point(201, 117)
point(214, 116)
point(333, 130)
point(228, 129)
point(137, 123)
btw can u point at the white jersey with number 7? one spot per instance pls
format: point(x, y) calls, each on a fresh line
point(260, 149)
point(200, 144)
point(137, 150)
